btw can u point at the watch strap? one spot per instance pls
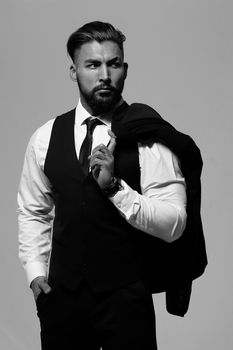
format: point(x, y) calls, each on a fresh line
point(114, 187)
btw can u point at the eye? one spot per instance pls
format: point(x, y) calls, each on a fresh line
point(116, 65)
point(93, 65)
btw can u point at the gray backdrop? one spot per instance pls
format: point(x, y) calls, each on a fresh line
point(180, 56)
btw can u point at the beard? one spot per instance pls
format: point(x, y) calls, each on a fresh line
point(102, 99)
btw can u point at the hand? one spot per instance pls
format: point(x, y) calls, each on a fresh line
point(102, 162)
point(39, 285)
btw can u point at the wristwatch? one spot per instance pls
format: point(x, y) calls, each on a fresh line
point(114, 187)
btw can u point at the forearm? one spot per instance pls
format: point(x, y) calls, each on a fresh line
point(164, 219)
point(34, 243)
point(35, 206)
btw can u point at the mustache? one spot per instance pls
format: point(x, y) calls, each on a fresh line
point(104, 87)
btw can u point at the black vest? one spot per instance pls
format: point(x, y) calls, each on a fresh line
point(91, 239)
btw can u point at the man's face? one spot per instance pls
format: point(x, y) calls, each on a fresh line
point(100, 73)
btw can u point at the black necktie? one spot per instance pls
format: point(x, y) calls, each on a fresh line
point(85, 150)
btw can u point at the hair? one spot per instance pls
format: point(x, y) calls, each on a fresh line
point(98, 31)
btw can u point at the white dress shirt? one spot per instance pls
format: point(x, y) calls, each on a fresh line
point(159, 210)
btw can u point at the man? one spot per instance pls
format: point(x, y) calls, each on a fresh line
point(115, 197)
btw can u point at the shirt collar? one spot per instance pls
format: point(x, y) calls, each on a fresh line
point(82, 114)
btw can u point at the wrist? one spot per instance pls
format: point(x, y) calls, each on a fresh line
point(113, 188)
point(109, 184)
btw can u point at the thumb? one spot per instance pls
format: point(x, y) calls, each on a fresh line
point(112, 143)
point(45, 287)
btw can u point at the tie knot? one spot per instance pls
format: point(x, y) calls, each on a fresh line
point(91, 124)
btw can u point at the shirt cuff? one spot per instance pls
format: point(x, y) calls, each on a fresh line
point(35, 269)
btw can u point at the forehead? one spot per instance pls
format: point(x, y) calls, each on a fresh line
point(105, 50)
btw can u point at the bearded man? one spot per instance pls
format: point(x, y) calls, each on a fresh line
point(114, 178)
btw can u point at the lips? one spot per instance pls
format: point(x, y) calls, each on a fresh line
point(104, 88)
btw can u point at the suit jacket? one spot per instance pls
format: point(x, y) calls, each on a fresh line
point(185, 259)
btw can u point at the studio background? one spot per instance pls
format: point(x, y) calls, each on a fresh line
point(180, 55)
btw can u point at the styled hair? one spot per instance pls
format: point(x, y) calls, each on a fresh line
point(98, 31)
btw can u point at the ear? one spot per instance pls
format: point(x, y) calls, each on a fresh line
point(125, 69)
point(73, 72)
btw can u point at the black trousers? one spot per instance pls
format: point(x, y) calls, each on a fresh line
point(122, 319)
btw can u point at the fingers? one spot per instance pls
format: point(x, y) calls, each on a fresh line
point(102, 161)
point(95, 171)
point(44, 286)
point(100, 152)
point(38, 285)
point(99, 148)
point(112, 143)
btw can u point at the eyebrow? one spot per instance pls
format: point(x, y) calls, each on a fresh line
point(117, 58)
point(96, 60)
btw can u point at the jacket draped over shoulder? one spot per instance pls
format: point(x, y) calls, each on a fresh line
point(141, 123)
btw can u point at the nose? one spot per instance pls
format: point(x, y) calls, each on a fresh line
point(104, 74)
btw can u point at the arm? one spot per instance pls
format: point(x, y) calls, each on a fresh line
point(160, 209)
point(34, 212)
